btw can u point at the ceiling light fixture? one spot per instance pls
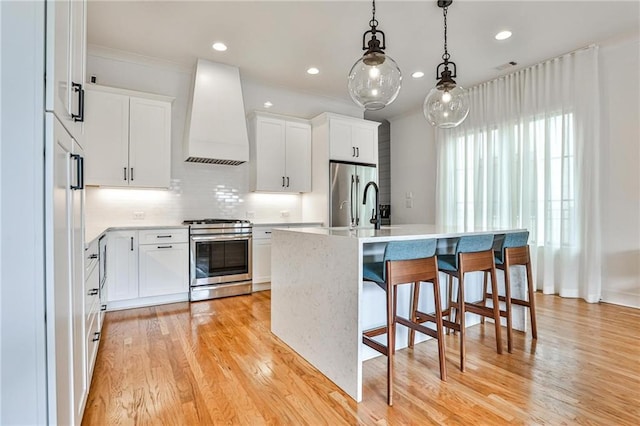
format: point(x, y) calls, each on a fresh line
point(219, 46)
point(503, 35)
point(313, 71)
point(375, 79)
point(417, 74)
point(447, 104)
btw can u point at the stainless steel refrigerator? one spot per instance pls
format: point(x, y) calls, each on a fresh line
point(347, 182)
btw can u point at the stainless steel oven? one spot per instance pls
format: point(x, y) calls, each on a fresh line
point(220, 257)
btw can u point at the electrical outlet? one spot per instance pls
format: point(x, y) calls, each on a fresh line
point(409, 203)
point(250, 215)
point(284, 213)
point(138, 215)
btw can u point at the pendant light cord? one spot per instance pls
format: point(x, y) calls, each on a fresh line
point(445, 55)
point(374, 22)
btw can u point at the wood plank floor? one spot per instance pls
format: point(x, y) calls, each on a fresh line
point(216, 362)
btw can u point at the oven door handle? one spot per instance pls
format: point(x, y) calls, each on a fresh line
point(221, 238)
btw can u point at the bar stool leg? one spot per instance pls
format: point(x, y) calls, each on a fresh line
point(390, 342)
point(496, 309)
point(450, 303)
point(439, 328)
point(414, 307)
point(484, 293)
point(461, 311)
point(507, 303)
point(532, 300)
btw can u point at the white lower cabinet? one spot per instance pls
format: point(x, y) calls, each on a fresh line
point(122, 273)
point(92, 307)
point(147, 267)
point(163, 268)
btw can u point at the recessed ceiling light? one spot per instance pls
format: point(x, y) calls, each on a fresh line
point(219, 46)
point(503, 35)
point(313, 71)
point(268, 104)
point(417, 74)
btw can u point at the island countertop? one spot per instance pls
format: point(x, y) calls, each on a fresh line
point(398, 232)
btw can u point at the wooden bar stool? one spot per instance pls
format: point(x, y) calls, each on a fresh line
point(404, 262)
point(473, 253)
point(513, 250)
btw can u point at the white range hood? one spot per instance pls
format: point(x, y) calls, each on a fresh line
point(216, 130)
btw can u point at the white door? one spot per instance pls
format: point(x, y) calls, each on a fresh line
point(298, 157)
point(164, 269)
point(122, 273)
point(106, 136)
point(59, 15)
point(78, 294)
point(340, 147)
point(365, 140)
point(149, 143)
point(270, 154)
point(77, 66)
point(62, 288)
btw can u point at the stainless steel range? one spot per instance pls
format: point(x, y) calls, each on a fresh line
point(220, 258)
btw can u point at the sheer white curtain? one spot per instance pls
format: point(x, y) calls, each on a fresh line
point(527, 156)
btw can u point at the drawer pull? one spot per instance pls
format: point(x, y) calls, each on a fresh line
point(93, 256)
point(163, 247)
point(103, 307)
point(267, 232)
point(163, 236)
point(96, 336)
point(93, 292)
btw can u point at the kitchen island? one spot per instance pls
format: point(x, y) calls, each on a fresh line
point(320, 305)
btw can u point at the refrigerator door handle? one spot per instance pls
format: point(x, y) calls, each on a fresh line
point(351, 204)
point(357, 200)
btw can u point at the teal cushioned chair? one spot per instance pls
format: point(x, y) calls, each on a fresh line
point(473, 253)
point(405, 262)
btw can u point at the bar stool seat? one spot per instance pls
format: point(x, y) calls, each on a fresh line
point(404, 262)
point(473, 253)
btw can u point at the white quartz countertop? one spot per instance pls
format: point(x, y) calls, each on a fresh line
point(92, 233)
point(277, 224)
point(397, 232)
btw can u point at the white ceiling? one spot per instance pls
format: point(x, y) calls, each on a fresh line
point(275, 42)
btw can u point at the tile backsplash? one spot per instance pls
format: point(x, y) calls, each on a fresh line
point(197, 191)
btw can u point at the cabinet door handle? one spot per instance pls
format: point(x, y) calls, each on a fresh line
point(163, 247)
point(93, 292)
point(353, 151)
point(77, 87)
point(131, 243)
point(96, 336)
point(358, 152)
point(103, 307)
point(125, 173)
point(163, 236)
point(283, 181)
point(287, 181)
point(79, 171)
point(132, 174)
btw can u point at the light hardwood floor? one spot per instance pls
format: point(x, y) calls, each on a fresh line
point(216, 362)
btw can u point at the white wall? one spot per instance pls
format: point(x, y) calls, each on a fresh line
point(620, 174)
point(413, 170)
point(197, 190)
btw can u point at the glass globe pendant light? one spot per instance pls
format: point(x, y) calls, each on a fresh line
point(446, 105)
point(375, 79)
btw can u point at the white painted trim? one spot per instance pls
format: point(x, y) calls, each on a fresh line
point(147, 301)
point(134, 58)
point(127, 92)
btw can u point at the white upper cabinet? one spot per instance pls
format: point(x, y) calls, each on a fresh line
point(128, 138)
point(352, 139)
point(66, 63)
point(280, 153)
